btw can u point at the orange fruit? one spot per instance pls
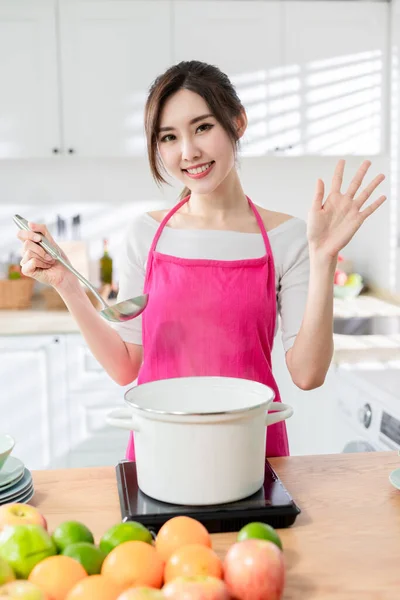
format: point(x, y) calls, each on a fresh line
point(178, 532)
point(192, 560)
point(94, 587)
point(57, 575)
point(134, 563)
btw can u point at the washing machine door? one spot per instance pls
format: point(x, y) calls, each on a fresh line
point(358, 446)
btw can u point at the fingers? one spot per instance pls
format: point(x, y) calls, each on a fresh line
point(337, 179)
point(32, 250)
point(358, 179)
point(28, 235)
point(319, 194)
point(39, 230)
point(372, 207)
point(30, 267)
point(365, 194)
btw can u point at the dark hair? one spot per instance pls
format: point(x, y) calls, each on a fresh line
point(207, 81)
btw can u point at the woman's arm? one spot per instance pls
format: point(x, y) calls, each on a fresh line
point(331, 226)
point(120, 359)
point(309, 358)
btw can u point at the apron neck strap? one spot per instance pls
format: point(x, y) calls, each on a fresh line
point(261, 226)
point(165, 221)
point(186, 199)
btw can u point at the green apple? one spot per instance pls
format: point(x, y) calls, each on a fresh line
point(23, 546)
point(21, 590)
point(6, 572)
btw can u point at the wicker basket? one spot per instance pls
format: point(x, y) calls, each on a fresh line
point(16, 294)
point(53, 300)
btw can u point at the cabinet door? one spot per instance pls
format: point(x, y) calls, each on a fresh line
point(33, 398)
point(338, 52)
point(29, 125)
point(242, 38)
point(91, 395)
point(111, 51)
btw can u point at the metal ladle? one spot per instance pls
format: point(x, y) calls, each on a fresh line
point(123, 311)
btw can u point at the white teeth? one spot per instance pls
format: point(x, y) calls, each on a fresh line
point(199, 169)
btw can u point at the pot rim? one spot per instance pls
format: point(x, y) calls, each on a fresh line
point(180, 413)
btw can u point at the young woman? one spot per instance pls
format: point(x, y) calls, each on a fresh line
point(217, 266)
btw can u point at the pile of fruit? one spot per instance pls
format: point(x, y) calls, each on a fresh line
point(128, 564)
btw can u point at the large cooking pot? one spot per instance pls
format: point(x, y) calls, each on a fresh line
point(200, 440)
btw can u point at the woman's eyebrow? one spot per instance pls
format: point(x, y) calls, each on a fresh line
point(191, 122)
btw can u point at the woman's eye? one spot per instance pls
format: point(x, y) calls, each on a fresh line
point(167, 138)
point(205, 126)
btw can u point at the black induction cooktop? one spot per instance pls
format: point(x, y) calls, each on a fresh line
point(272, 504)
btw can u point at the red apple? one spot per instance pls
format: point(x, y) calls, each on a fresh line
point(21, 590)
point(197, 587)
point(20, 514)
point(255, 570)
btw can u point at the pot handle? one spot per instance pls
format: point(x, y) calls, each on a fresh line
point(122, 418)
point(283, 411)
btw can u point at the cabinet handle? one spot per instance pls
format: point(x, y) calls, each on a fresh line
point(56, 340)
point(56, 150)
point(71, 151)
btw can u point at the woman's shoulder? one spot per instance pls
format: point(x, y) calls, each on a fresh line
point(280, 223)
point(157, 215)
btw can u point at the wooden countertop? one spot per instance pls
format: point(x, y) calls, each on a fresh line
point(345, 545)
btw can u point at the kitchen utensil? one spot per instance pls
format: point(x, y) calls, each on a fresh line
point(123, 311)
point(12, 470)
point(200, 440)
point(7, 443)
point(271, 504)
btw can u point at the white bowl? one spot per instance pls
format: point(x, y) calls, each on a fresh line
point(6, 445)
point(347, 291)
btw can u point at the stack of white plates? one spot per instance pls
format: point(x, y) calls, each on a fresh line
point(16, 483)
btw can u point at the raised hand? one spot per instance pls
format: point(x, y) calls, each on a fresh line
point(332, 224)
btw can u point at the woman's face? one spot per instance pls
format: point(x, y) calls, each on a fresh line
point(193, 146)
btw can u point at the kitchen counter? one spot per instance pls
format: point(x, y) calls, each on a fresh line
point(345, 545)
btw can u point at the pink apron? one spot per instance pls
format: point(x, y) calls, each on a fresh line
point(211, 317)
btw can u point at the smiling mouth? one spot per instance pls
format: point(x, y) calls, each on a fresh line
point(199, 170)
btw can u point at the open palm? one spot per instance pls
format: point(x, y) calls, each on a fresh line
point(332, 224)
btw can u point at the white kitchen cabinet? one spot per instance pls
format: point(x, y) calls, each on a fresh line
point(314, 427)
point(244, 39)
point(33, 399)
point(92, 394)
point(110, 52)
point(339, 54)
point(74, 74)
point(29, 98)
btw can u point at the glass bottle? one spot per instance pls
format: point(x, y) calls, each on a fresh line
point(106, 265)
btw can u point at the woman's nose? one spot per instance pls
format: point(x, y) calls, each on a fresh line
point(190, 151)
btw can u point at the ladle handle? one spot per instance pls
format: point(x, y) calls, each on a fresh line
point(55, 253)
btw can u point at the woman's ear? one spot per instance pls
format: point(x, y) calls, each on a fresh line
point(241, 124)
